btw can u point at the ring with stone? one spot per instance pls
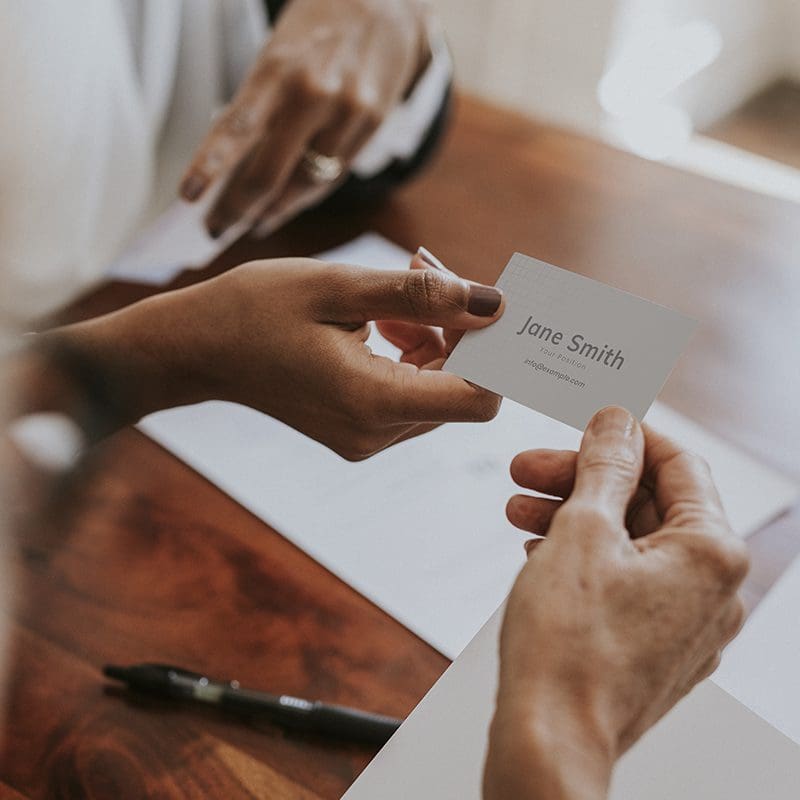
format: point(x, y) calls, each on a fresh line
point(322, 168)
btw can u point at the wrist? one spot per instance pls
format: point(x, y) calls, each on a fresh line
point(543, 749)
point(128, 364)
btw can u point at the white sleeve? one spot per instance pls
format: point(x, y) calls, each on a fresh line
point(402, 133)
point(75, 154)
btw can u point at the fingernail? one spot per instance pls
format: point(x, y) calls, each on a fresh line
point(194, 185)
point(431, 260)
point(215, 228)
point(614, 420)
point(483, 300)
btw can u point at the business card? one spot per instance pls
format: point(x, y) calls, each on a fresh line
point(568, 346)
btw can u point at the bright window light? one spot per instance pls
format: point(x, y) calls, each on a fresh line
point(646, 71)
point(658, 132)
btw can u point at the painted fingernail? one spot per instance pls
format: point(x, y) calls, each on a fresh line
point(193, 186)
point(483, 300)
point(216, 227)
point(614, 420)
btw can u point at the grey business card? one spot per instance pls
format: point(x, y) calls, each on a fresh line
point(568, 346)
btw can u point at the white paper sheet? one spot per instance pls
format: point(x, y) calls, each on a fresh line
point(420, 529)
point(174, 241)
point(761, 667)
point(710, 747)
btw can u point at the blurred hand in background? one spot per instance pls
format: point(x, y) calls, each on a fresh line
point(323, 84)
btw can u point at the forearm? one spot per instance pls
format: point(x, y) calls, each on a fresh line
point(111, 371)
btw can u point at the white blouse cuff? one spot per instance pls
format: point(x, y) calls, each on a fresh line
point(402, 133)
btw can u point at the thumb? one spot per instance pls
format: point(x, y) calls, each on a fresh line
point(425, 296)
point(609, 464)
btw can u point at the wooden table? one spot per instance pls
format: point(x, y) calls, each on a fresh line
point(145, 560)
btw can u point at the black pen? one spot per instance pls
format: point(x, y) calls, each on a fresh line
point(293, 712)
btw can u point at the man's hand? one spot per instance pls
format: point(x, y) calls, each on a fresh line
point(288, 338)
point(618, 613)
point(324, 82)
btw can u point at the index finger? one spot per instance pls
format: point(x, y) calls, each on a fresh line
point(429, 297)
point(683, 487)
point(231, 137)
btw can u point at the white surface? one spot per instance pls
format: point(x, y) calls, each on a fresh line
point(109, 105)
point(420, 529)
point(761, 667)
point(174, 241)
point(724, 162)
point(710, 747)
point(547, 58)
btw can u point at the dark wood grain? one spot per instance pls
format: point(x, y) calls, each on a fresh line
point(140, 558)
point(149, 562)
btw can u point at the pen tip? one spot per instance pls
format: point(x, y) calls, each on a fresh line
point(116, 673)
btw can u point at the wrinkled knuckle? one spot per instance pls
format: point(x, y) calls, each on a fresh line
point(738, 561)
point(692, 462)
point(622, 462)
point(420, 290)
point(271, 63)
point(368, 106)
point(736, 620)
point(729, 560)
point(373, 115)
point(583, 516)
point(430, 291)
point(713, 664)
point(302, 83)
point(690, 512)
point(350, 104)
point(311, 88)
point(237, 120)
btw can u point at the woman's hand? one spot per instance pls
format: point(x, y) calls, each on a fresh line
point(324, 82)
point(618, 613)
point(287, 337)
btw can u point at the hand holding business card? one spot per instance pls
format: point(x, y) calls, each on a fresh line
point(567, 345)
